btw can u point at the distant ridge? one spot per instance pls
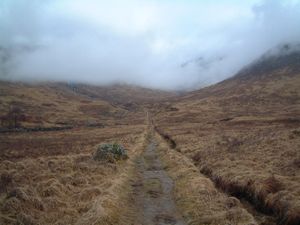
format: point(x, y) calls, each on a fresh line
point(283, 57)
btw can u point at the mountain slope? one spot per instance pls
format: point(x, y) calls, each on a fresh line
point(244, 133)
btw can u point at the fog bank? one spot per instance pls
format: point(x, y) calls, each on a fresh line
point(161, 43)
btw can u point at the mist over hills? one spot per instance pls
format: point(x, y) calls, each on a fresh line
point(274, 58)
point(271, 79)
point(280, 65)
point(149, 112)
point(283, 56)
point(140, 42)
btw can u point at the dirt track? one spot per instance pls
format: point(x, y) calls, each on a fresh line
point(154, 191)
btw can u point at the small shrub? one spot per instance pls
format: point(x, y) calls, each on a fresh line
point(110, 152)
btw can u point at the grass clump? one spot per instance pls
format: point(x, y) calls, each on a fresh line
point(110, 152)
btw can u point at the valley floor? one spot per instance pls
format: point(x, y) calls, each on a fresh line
point(156, 186)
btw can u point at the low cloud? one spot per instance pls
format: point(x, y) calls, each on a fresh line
point(161, 44)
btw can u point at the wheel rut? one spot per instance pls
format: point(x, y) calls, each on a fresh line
point(153, 191)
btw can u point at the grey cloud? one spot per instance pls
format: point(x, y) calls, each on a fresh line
point(140, 42)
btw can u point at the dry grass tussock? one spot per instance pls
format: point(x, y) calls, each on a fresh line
point(197, 198)
point(66, 189)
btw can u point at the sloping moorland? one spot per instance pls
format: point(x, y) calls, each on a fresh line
point(231, 149)
point(47, 172)
point(244, 134)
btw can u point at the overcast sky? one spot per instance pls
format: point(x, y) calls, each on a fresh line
point(169, 44)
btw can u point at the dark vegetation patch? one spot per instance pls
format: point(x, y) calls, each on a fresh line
point(226, 119)
point(172, 144)
point(34, 129)
point(266, 196)
point(110, 153)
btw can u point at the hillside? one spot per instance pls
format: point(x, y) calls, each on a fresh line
point(49, 132)
point(224, 154)
point(60, 104)
point(244, 134)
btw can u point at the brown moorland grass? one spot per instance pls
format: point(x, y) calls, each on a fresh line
point(241, 136)
point(16, 146)
point(196, 196)
point(67, 188)
point(257, 162)
point(58, 104)
point(49, 177)
point(244, 135)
